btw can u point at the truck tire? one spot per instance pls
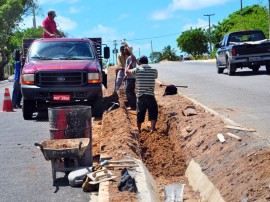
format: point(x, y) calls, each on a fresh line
point(28, 109)
point(231, 68)
point(219, 69)
point(267, 68)
point(97, 108)
point(255, 68)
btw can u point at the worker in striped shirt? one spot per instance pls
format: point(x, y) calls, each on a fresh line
point(145, 86)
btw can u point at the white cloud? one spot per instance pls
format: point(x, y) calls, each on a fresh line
point(195, 4)
point(65, 24)
point(62, 23)
point(28, 22)
point(185, 5)
point(74, 10)
point(199, 24)
point(108, 33)
point(56, 1)
point(123, 16)
point(162, 14)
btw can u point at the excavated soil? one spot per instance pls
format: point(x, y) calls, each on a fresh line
point(239, 169)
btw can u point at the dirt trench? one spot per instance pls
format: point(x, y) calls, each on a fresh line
point(239, 169)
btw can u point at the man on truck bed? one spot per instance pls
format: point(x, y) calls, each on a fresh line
point(49, 26)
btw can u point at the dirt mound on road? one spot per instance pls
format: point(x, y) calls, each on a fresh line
point(238, 169)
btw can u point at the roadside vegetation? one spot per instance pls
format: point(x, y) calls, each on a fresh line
point(13, 11)
point(253, 17)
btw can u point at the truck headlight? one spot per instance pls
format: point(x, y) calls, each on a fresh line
point(94, 77)
point(28, 79)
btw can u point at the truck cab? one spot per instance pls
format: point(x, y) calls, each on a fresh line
point(63, 71)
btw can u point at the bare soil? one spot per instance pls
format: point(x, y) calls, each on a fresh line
point(240, 170)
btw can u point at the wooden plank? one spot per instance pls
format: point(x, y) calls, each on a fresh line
point(234, 136)
point(240, 128)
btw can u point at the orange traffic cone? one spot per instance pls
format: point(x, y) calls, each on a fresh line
point(7, 104)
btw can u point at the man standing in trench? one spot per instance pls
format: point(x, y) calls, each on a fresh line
point(145, 84)
point(49, 26)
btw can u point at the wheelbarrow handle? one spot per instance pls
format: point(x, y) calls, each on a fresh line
point(41, 147)
point(80, 145)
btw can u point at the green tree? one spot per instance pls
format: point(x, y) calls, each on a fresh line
point(11, 12)
point(250, 18)
point(169, 54)
point(156, 57)
point(193, 42)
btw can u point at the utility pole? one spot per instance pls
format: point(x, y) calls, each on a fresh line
point(115, 50)
point(34, 17)
point(269, 18)
point(139, 52)
point(153, 53)
point(210, 40)
point(241, 5)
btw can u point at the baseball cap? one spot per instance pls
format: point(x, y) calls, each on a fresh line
point(52, 12)
point(143, 59)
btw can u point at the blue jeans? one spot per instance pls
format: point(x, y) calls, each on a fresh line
point(119, 79)
point(16, 94)
point(130, 93)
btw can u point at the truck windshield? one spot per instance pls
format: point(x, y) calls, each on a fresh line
point(52, 50)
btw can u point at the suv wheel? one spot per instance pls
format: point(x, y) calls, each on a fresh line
point(219, 69)
point(28, 109)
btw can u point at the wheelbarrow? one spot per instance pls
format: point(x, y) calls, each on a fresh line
point(59, 150)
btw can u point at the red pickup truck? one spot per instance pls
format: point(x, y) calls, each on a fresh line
point(62, 71)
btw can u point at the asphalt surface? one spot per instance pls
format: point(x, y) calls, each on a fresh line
point(243, 98)
point(25, 174)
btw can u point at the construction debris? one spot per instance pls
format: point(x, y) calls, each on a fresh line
point(119, 163)
point(240, 128)
point(100, 176)
point(190, 111)
point(220, 137)
point(234, 136)
point(174, 192)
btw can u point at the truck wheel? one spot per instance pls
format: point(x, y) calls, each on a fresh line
point(256, 68)
point(28, 109)
point(231, 68)
point(267, 67)
point(97, 108)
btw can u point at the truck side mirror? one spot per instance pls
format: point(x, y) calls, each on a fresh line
point(16, 54)
point(106, 52)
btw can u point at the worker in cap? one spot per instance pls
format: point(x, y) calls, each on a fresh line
point(49, 26)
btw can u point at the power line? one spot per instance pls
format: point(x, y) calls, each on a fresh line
point(154, 37)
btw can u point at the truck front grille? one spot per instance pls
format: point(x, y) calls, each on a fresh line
point(57, 78)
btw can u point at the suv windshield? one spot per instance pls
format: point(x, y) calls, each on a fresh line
point(68, 50)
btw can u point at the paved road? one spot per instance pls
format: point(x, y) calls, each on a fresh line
point(244, 98)
point(25, 174)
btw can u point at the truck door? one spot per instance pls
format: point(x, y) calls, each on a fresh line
point(222, 51)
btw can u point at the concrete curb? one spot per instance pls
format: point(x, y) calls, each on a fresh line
point(200, 182)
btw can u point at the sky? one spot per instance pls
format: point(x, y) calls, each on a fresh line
point(147, 25)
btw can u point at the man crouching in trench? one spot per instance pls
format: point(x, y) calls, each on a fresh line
point(145, 87)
